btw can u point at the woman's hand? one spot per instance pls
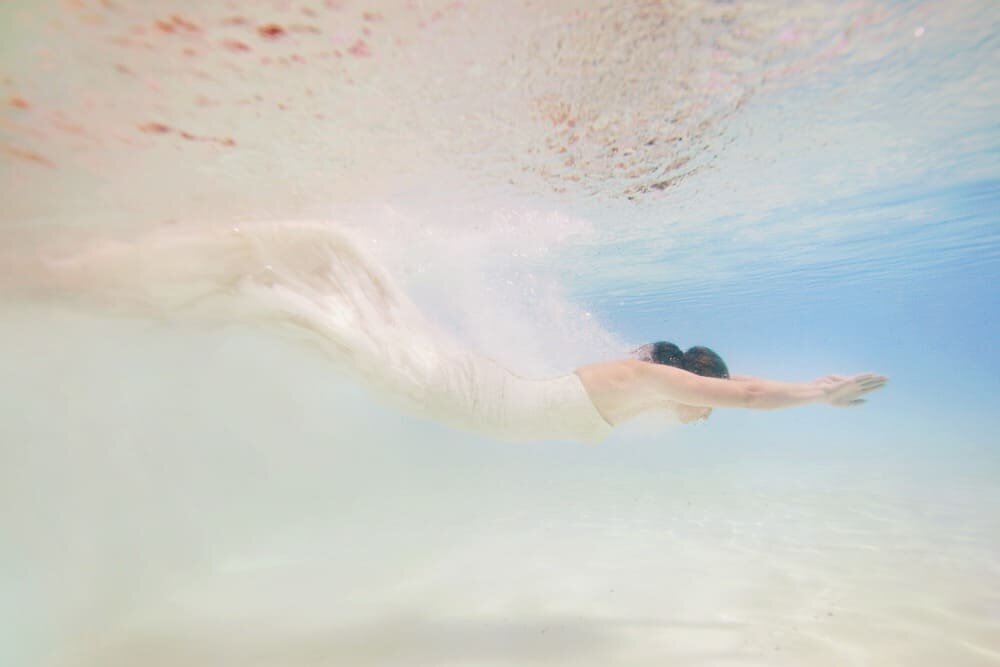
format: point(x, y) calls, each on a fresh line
point(845, 391)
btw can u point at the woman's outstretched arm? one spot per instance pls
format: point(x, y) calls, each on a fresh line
point(759, 393)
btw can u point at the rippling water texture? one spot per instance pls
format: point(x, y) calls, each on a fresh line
point(807, 187)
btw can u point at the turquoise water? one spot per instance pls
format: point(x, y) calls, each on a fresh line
point(821, 197)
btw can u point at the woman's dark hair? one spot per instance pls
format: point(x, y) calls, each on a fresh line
point(703, 361)
point(662, 352)
point(698, 359)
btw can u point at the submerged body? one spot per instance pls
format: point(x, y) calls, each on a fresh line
point(314, 281)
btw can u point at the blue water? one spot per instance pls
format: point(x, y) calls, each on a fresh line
point(180, 494)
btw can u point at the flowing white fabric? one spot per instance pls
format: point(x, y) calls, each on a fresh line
point(314, 281)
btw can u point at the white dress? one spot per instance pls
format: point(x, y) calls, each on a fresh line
point(313, 281)
point(478, 394)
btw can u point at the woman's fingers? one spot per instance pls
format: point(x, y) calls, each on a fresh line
point(851, 389)
point(870, 381)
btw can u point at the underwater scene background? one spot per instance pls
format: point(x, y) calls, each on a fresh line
point(807, 188)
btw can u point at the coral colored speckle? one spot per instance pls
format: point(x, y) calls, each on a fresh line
point(359, 49)
point(69, 127)
point(372, 16)
point(271, 31)
point(235, 20)
point(166, 26)
point(181, 22)
point(19, 102)
point(156, 128)
point(227, 141)
point(30, 156)
point(235, 45)
point(189, 52)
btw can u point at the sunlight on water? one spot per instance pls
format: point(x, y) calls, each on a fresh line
point(208, 447)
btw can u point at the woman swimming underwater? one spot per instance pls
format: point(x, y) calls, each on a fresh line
point(586, 404)
point(314, 281)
